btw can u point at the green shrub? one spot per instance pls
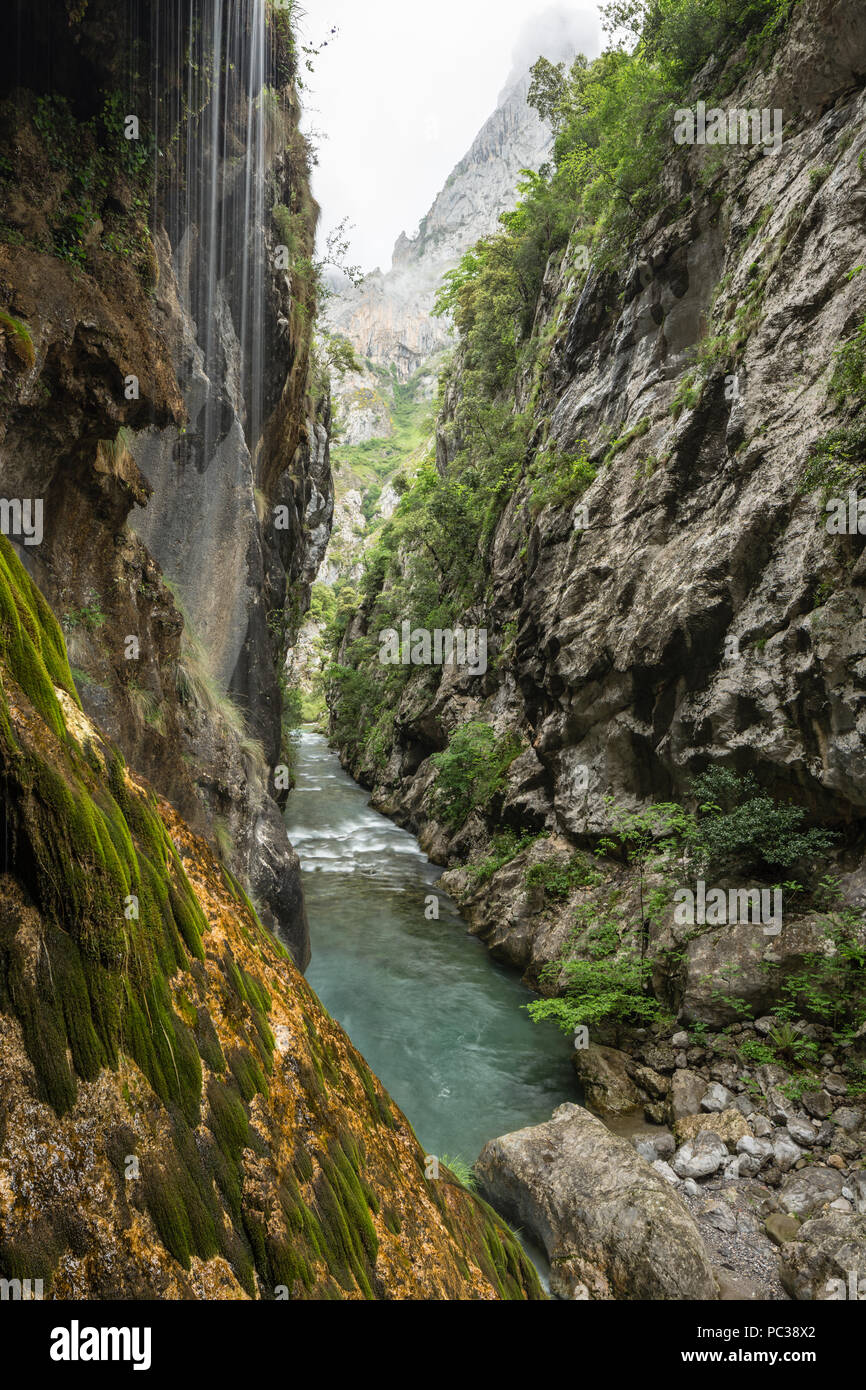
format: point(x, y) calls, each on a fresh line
point(831, 985)
point(20, 341)
point(741, 827)
point(558, 480)
point(848, 382)
point(471, 770)
point(753, 1050)
point(599, 991)
point(622, 441)
point(558, 878)
point(688, 393)
point(789, 1043)
point(505, 847)
point(837, 461)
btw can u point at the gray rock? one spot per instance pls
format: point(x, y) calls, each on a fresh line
point(761, 1126)
point(781, 1228)
point(759, 1149)
point(764, 1025)
point(686, 1093)
point(701, 1156)
point(779, 1108)
point(657, 1145)
point(652, 1083)
point(664, 1143)
point(801, 1131)
point(804, 1192)
point(818, 1103)
point(847, 1146)
point(826, 1259)
point(785, 1151)
point(680, 1040)
point(718, 1214)
point(660, 1056)
point(716, 1098)
point(847, 1119)
point(824, 1137)
point(607, 1086)
point(665, 1171)
point(608, 1222)
point(769, 1076)
point(724, 1072)
point(743, 1166)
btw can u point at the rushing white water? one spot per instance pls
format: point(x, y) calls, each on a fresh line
point(438, 1020)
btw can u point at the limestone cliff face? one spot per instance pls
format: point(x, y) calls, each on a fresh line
point(163, 411)
point(388, 318)
point(698, 612)
point(179, 1117)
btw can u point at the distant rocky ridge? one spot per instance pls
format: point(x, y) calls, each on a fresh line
point(388, 317)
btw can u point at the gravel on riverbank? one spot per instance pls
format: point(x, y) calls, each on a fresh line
point(730, 1218)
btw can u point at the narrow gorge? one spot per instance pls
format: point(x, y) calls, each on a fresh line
point(432, 714)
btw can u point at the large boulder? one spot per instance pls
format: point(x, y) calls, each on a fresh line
point(805, 1191)
point(700, 1157)
point(687, 1091)
point(607, 1087)
point(612, 1227)
point(742, 949)
point(827, 1260)
point(729, 1126)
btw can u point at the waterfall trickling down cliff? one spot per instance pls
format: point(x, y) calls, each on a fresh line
point(153, 159)
point(213, 88)
point(214, 120)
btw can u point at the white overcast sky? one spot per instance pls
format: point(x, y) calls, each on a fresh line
point(401, 93)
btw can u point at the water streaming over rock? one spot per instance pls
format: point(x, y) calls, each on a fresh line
point(214, 122)
point(214, 193)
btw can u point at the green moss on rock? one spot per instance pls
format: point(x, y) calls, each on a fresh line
point(106, 955)
point(31, 643)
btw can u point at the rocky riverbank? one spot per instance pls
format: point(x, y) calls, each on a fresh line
point(772, 1180)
